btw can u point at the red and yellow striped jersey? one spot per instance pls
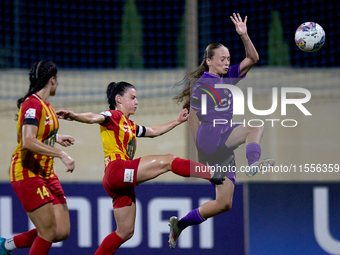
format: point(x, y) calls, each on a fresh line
point(27, 164)
point(118, 135)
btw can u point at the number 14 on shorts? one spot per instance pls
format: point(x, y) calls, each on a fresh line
point(43, 192)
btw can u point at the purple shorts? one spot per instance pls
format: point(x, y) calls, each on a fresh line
point(211, 145)
point(210, 139)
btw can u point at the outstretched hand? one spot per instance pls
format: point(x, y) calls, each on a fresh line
point(183, 115)
point(65, 140)
point(241, 26)
point(66, 115)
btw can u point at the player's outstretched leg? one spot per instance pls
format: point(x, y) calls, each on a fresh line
point(194, 217)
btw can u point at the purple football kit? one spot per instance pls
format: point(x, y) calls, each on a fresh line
point(219, 105)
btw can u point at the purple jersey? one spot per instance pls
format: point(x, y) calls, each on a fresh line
point(211, 139)
point(219, 101)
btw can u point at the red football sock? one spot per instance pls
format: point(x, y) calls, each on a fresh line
point(110, 244)
point(190, 168)
point(25, 239)
point(40, 247)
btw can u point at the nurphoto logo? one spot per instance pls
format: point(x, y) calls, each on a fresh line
point(238, 105)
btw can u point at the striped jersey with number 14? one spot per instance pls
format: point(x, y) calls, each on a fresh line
point(27, 164)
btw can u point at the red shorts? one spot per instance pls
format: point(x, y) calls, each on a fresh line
point(35, 192)
point(119, 181)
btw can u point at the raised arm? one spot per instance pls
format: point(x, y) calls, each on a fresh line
point(162, 129)
point(251, 53)
point(86, 117)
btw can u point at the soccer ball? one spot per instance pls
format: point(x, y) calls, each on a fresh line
point(310, 37)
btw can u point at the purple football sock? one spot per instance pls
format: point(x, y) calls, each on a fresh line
point(253, 152)
point(192, 218)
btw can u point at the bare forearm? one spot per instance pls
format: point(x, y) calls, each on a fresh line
point(88, 117)
point(40, 148)
point(162, 129)
point(250, 49)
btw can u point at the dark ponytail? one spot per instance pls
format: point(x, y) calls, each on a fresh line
point(39, 76)
point(191, 78)
point(114, 89)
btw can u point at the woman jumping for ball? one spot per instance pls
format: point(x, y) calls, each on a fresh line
point(215, 142)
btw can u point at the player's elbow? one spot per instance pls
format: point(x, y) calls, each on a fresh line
point(90, 118)
point(93, 118)
point(255, 58)
point(27, 144)
point(92, 121)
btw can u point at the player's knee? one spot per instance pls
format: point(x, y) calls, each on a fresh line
point(65, 236)
point(261, 129)
point(49, 234)
point(225, 207)
point(62, 236)
point(169, 159)
point(127, 233)
point(257, 129)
